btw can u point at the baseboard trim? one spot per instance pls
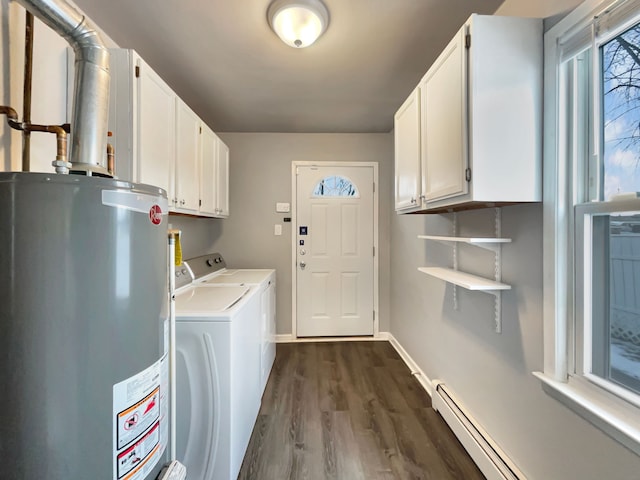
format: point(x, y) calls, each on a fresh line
point(288, 338)
point(416, 371)
point(488, 456)
point(492, 461)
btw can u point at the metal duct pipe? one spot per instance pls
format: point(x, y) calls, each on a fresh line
point(91, 90)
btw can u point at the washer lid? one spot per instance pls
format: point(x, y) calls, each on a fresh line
point(251, 276)
point(208, 301)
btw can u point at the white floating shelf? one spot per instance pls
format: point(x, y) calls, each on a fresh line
point(471, 240)
point(464, 280)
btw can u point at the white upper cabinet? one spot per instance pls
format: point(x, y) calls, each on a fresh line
point(407, 154)
point(160, 141)
point(214, 175)
point(480, 126)
point(187, 166)
point(208, 152)
point(222, 179)
point(142, 119)
point(443, 122)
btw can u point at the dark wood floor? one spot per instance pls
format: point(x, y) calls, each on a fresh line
point(349, 411)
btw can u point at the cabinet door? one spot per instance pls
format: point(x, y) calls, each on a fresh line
point(187, 158)
point(222, 179)
point(444, 123)
point(155, 125)
point(208, 190)
point(407, 152)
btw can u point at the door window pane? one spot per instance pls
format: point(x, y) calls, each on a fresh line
point(335, 186)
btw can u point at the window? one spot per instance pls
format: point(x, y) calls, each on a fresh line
point(620, 92)
point(592, 176)
point(335, 186)
point(608, 297)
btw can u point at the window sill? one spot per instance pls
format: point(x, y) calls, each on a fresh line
point(617, 418)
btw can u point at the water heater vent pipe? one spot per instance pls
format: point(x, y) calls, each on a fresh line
point(91, 91)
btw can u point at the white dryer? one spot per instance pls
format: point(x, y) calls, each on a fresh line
point(218, 384)
point(212, 270)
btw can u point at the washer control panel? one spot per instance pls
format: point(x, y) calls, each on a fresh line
point(206, 264)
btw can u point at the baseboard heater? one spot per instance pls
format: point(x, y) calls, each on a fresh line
point(491, 460)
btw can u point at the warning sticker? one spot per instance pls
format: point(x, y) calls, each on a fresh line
point(139, 418)
point(134, 421)
point(134, 459)
point(164, 400)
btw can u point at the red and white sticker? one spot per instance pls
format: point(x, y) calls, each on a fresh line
point(135, 458)
point(140, 422)
point(155, 214)
point(136, 419)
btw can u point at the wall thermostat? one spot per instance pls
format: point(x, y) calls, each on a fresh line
point(283, 207)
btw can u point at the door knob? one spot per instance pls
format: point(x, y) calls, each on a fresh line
point(302, 264)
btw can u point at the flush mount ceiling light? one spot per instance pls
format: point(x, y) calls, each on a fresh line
point(298, 23)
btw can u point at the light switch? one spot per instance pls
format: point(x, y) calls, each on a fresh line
point(283, 207)
point(277, 230)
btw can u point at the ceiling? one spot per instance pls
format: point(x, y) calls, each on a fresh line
point(221, 58)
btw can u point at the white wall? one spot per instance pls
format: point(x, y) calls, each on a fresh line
point(49, 86)
point(12, 38)
point(259, 170)
point(260, 176)
point(489, 372)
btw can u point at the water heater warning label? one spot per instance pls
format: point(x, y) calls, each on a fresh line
point(134, 458)
point(140, 414)
point(136, 420)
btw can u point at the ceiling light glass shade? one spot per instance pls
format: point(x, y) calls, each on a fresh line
point(298, 23)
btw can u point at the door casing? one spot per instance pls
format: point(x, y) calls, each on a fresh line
point(294, 229)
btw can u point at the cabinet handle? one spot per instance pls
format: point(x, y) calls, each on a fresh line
point(182, 202)
point(413, 200)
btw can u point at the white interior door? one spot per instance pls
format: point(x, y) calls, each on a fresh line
point(334, 250)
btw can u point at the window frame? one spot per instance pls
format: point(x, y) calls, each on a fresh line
point(562, 188)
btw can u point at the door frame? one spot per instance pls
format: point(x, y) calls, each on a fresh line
point(294, 244)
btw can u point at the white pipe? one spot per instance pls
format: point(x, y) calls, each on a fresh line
point(172, 347)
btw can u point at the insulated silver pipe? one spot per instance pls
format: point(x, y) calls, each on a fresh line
point(91, 90)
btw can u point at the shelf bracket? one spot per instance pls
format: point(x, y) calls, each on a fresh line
point(455, 260)
point(497, 322)
point(498, 272)
point(469, 281)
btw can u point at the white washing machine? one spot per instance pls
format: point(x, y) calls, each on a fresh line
point(217, 370)
point(212, 270)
